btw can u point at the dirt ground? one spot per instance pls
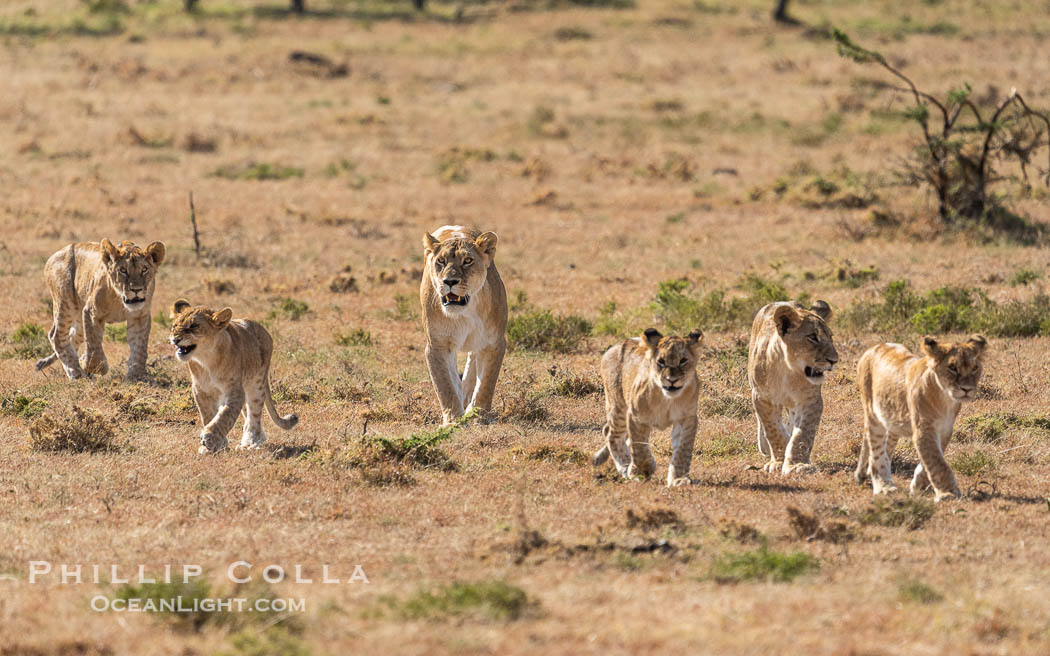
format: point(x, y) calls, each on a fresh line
point(611, 149)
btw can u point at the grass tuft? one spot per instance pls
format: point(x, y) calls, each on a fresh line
point(29, 342)
point(541, 330)
point(17, 404)
point(79, 430)
point(917, 592)
point(492, 600)
point(911, 512)
point(762, 564)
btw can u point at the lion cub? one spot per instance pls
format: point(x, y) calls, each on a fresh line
point(230, 364)
point(908, 394)
point(790, 352)
point(650, 382)
point(93, 284)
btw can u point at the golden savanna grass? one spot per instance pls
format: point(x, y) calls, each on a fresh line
point(611, 149)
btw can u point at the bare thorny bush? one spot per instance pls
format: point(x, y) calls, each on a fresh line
point(964, 148)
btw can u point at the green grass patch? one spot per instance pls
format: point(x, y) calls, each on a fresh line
point(948, 309)
point(492, 600)
point(29, 342)
point(117, 332)
point(912, 512)
point(762, 564)
point(682, 309)
point(1025, 276)
point(274, 641)
point(17, 404)
point(916, 592)
point(542, 330)
point(356, 337)
point(990, 427)
point(974, 464)
point(290, 308)
point(258, 171)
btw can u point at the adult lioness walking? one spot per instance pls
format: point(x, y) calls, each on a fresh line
point(95, 284)
point(464, 310)
point(791, 350)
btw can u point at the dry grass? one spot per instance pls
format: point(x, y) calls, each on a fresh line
point(670, 164)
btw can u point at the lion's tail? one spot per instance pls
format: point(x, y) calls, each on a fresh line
point(603, 453)
point(286, 422)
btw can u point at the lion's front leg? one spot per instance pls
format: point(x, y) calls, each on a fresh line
point(642, 461)
point(933, 465)
point(94, 357)
point(769, 416)
point(683, 436)
point(807, 420)
point(138, 343)
point(213, 437)
point(490, 361)
point(442, 363)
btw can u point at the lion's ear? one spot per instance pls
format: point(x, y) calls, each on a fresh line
point(430, 243)
point(110, 253)
point(784, 317)
point(222, 317)
point(486, 243)
point(651, 338)
point(156, 251)
point(978, 342)
point(822, 310)
point(694, 340)
point(178, 306)
point(933, 349)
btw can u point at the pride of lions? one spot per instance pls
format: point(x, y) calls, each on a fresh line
point(650, 381)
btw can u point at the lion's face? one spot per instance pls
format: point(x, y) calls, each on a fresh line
point(458, 268)
point(805, 333)
point(956, 366)
point(194, 328)
point(131, 270)
point(672, 360)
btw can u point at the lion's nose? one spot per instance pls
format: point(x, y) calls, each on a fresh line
point(451, 282)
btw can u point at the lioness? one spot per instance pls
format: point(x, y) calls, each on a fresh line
point(791, 349)
point(650, 382)
point(908, 394)
point(229, 361)
point(95, 284)
point(464, 309)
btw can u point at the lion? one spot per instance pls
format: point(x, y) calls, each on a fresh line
point(790, 353)
point(95, 284)
point(229, 361)
point(917, 395)
point(464, 309)
point(650, 382)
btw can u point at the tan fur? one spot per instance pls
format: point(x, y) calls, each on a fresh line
point(478, 328)
point(89, 283)
point(230, 366)
point(786, 339)
point(636, 374)
point(917, 395)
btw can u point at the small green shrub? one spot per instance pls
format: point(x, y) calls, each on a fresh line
point(493, 600)
point(30, 342)
point(762, 564)
point(735, 406)
point(912, 512)
point(159, 597)
point(727, 446)
point(20, 405)
point(405, 307)
point(117, 332)
point(290, 308)
point(541, 330)
point(915, 591)
point(990, 427)
point(1025, 276)
point(79, 430)
point(946, 310)
point(572, 33)
point(974, 464)
point(682, 311)
point(258, 171)
point(356, 337)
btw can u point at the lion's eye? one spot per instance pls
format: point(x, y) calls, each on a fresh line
point(467, 261)
point(661, 362)
point(441, 263)
point(683, 362)
point(123, 271)
point(953, 369)
point(813, 338)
